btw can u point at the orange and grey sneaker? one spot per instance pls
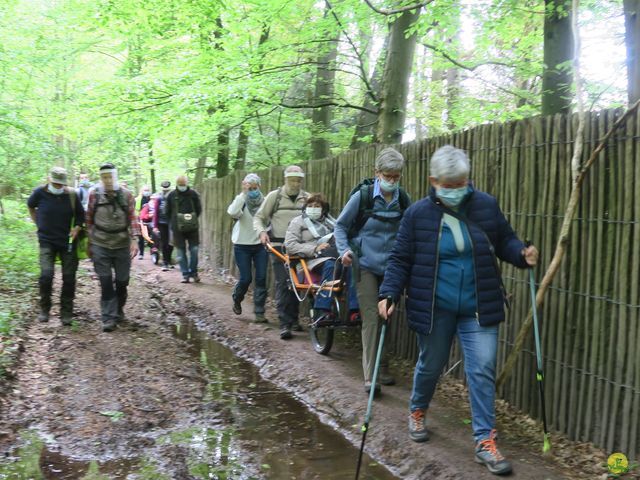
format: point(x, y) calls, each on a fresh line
point(488, 454)
point(418, 426)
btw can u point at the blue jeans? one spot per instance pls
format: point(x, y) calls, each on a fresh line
point(323, 299)
point(188, 266)
point(479, 346)
point(246, 255)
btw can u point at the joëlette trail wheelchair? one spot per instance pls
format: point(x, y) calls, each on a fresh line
point(308, 284)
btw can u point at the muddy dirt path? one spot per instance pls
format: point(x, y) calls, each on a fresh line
point(105, 401)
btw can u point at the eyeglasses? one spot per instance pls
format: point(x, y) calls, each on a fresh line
point(391, 177)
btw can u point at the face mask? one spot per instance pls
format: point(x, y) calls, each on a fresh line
point(254, 194)
point(314, 213)
point(182, 188)
point(56, 191)
point(85, 183)
point(452, 197)
point(388, 187)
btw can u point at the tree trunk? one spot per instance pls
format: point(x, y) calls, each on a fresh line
point(366, 124)
point(241, 153)
point(325, 78)
point(632, 42)
point(453, 92)
point(200, 167)
point(222, 163)
point(397, 72)
point(558, 54)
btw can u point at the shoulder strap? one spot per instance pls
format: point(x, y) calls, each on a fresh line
point(72, 199)
point(276, 205)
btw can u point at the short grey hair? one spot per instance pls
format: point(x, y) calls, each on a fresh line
point(252, 178)
point(389, 160)
point(450, 163)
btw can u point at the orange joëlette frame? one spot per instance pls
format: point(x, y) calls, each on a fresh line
point(308, 283)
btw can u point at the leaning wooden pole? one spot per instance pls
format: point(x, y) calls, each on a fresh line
point(561, 245)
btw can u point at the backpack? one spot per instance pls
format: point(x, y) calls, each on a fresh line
point(365, 210)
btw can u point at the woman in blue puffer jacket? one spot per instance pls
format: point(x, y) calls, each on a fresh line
point(444, 257)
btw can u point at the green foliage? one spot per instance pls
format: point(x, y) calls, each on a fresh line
point(151, 84)
point(19, 253)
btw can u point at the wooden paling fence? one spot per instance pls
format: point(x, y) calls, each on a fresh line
point(590, 327)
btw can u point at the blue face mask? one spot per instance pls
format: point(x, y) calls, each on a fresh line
point(388, 187)
point(452, 197)
point(254, 194)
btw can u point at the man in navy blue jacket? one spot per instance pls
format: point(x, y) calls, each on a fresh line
point(445, 258)
point(57, 211)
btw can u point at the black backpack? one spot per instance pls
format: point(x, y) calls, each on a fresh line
point(365, 211)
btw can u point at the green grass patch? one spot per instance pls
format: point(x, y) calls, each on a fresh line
point(18, 274)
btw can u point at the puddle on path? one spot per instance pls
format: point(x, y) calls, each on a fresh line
point(262, 433)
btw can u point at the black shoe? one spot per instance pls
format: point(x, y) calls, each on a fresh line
point(260, 318)
point(121, 317)
point(43, 316)
point(237, 307)
point(385, 377)
point(108, 326)
point(185, 280)
point(285, 333)
point(165, 268)
point(376, 391)
point(196, 278)
point(66, 318)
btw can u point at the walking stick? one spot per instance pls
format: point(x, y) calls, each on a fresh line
point(367, 417)
point(546, 446)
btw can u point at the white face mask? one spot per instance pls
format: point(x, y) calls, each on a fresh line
point(314, 213)
point(182, 188)
point(56, 191)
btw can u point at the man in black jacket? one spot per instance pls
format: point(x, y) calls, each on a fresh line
point(183, 210)
point(58, 213)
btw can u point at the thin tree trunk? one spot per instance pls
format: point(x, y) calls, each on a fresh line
point(325, 78)
point(396, 76)
point(366, 124)
point(632, 42)
point(222, 162)
point(243, 144)
point(558, 54)
point(200, 167)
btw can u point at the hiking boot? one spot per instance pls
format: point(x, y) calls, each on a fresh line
point(418, 426)
point(43, 316)
point(237, 307)
point(165, 267)
point(121, 316)
point(66, 318)
point(285, 333)
point(376, 391)
point(108, 326)
point(185, 280)
point(140, 257)
point(196, 278)
point(385, 377)
point(260, 318)
point(488, 454)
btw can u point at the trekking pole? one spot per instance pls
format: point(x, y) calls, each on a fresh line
point(546, 446)
point(367, 417)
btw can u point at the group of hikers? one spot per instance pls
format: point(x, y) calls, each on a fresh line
point(439, 253)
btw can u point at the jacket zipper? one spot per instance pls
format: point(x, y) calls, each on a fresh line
point(435, 277)
point(475, 274)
